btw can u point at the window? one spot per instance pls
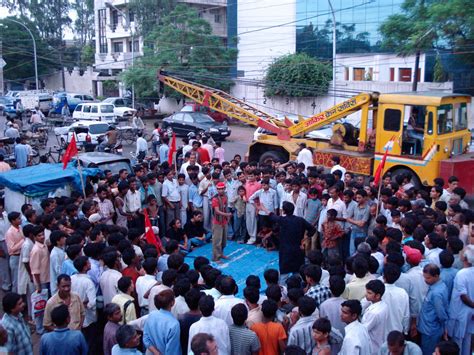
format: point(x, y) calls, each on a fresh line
point(404, 74)
point(94, 109)
point(114, 18)
point(188, 118)
point(392, 120)
point(117, 47)
point(107, 108)
point(217, 18)
point(430, 124)
point(346, 74)
point(87, 108)
point(78, 108)
point(445, 119)
point(392, 74)
point(102, 38)
point(178, 117)
point(100, 128)
point(135, 48)
point(461, 117)
point(359, 74)
point(131, 16)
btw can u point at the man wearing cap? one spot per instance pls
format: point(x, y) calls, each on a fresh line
point(419, 289)
point(219, 223)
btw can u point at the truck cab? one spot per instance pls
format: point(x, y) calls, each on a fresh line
point(422, 131)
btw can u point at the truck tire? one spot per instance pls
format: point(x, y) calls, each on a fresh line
point(415, 180)
point(275, 156)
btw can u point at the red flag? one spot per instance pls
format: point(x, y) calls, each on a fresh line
point(71, 151)
point(379, 171)
point(172, 149)
point(149, 235)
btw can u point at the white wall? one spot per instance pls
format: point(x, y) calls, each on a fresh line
point(380, 64)
point(75, 82)
point(259, 45)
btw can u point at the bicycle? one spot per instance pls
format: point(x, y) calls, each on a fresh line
point(129, 135)
point(48, 156)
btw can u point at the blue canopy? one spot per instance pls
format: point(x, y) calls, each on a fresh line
point(43, 178)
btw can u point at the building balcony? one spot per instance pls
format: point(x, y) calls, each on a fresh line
point(206, 2)
point(115, 60)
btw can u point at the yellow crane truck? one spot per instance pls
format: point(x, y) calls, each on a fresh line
point(425, 133)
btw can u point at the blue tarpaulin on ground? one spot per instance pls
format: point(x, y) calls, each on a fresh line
point(244, 260)
point(43, 178)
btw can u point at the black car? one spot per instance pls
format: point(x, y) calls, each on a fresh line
point(184, 122)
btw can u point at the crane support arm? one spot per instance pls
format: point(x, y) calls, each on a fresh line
point(222, 102)
point(336, 112)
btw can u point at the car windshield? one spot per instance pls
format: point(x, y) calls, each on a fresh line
point(98, 128)
point(6, 101)
point(202, 118)
point(187, 108)
point(114, 166)
point(107, 108)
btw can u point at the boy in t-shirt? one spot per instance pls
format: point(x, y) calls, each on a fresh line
point(271, 334)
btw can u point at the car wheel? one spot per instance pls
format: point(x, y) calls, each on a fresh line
point(415, 180)
point(267, 157)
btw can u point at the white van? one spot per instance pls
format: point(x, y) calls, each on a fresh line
point(95, 111)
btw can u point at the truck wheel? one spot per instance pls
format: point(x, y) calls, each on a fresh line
point(271, 155)
point(415, 180)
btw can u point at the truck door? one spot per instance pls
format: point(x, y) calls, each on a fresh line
point(390, 129)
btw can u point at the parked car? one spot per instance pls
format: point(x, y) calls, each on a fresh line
point(72, 100)
point(184, 122)
point(96, 111)
point(7, 106)
point(122, 107)
point(105, 161)
point(85, 131)
point(216, 116)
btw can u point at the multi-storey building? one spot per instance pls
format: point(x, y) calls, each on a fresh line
point(116, 39)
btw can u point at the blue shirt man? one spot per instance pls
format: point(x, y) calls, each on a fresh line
point(162, 331)
point(63, 341)
point(163, 151)
point(194, 197)
point(21, 155)
point(434, 310)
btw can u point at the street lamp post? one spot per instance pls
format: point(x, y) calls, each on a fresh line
point(109, 4)
point(34, 47)
point(333, 51)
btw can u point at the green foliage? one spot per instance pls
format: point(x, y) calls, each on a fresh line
point(438, 73)
point(183, 44)
point(84, 23)
point(317, 42)
point(110, 85)
point(88, 55)
point(149, 13)
point(18, 51)
point(297, 75)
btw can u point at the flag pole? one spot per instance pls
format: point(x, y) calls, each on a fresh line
point(79, 168)
point(378, 198)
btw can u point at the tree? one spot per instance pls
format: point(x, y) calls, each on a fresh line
point(18, 51)
point(297, 75)
point(84, 23)
point(149, 13)
point(184, 44)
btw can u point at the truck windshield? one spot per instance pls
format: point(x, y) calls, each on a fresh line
point(460, 122)
point(445, 119)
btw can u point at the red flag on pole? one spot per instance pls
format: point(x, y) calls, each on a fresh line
point(149, 235)
point(71, 151)
point(379, 171)
point(172, 149)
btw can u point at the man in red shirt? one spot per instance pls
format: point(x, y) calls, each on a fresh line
point(219, 223)
point(202, 154)
point(251, 186)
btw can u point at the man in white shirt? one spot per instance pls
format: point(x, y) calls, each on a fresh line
point(168, 278)
point(142, 147)
point(376, 314)
point(145, 283)
point(432, 251)
point(111, 275)
point(171, 197)
point(297, 198)
point(335, 161)
point(4, 256)
point(224, 304)
point(211, 325)
point(133, 203)
point(356, 339)
point(305, 156)
point(397, 298)
point(331, 308)
point(191, 162)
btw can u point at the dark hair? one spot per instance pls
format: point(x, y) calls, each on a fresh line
point(306, 306)
point(181, 287)
point(56, 236)
point(432, 270)
point(360, 266)
point(150, 265)
point(314, 272)
point(448, 348)
point(200, 260)
point(80, 262)
point(323, 325)
point(59, 315)
point(288, 208)
point(273, 292)
point(271, 276)
point(391, 273)
point(395, 258)
point(395, 338)
point(376, 286)
point(206, 305)
point(164, 299)
point(253, 281)
point(9, 301)
point(337, 285)
point(124, 283)
point(124, 334)
point(228, 286)
point(354, 306)
point(446, 258)
point(269, 309)
point(169, 277)
point(251, 294)
point(199, 343)
point(192, 298)
point(239, 314)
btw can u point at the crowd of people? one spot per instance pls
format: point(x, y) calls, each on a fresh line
point(362, 269)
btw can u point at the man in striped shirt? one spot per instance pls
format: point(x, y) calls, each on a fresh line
point(301, 334)
point(243, 341)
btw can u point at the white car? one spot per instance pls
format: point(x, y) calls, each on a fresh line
point(122, 107)
point(324, 133)
point(95, 111)
point(85, 131)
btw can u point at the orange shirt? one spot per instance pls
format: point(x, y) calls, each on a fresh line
point(251, 188)
point(269, 334)
point(39, 261)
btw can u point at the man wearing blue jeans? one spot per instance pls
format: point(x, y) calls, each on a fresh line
point(194, 229)
point(359, 220)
